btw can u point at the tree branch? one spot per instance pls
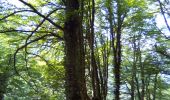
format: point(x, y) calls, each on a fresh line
point(13, 30)
point(20, 48)
point(52, 33)
point(38, 13)
point(162, 52)
point(5, 17)
point(166, 22)
point(40, 24)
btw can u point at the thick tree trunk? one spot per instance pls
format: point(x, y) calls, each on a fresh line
point(74, 53)
point(117, 52)
point(117, 62)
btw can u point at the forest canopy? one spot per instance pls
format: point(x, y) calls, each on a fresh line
point(84, 49)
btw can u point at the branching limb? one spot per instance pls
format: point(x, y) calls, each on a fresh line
point(37, 12)
point(22, 47)
point(40, 25)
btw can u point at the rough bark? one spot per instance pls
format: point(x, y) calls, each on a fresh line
point(74, 53)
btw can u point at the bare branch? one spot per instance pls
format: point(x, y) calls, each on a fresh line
point(40, 25)
point(52, 33)
point(163, 13)
point(37, 12)
point(5, 17)
point(13, 30)
point(166, 37)
point(20, 48)
point(39, 38)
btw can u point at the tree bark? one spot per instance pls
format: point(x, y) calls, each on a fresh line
point(117, 51)
point(74, 53)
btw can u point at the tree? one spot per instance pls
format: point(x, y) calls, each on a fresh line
point(75, 68)
point(96, 49)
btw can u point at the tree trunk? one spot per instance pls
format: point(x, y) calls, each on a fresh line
point(3, 84)
point(155, 87)
point(138, 88)
point(74, 53)
point(142, 75)
point(133, 69)
point(147, 84)
point(117, 52)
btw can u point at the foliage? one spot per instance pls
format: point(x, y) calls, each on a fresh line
point(33, 48)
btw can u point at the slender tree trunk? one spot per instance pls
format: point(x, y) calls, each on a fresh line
point(147, 83)
point(95, 76)
point(74, 53)
point(142, 75)
point(133, 70)
point(155, 87)
point(102, 63)
point(116, 50)
point(141, 66)
point(138, 89)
